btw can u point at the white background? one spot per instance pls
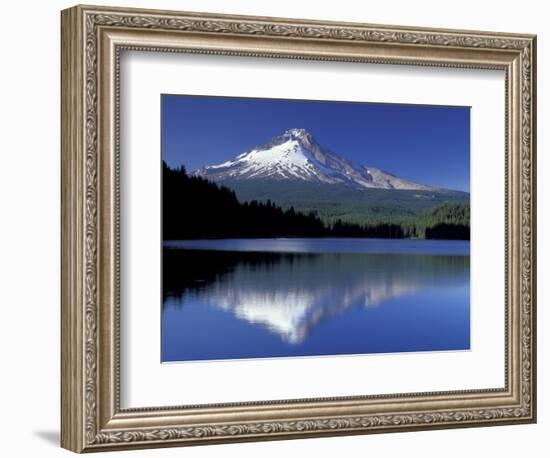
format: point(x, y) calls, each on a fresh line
point(29, 242)
point(145, 76)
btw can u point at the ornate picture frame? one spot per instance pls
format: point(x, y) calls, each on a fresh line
point(92, 41)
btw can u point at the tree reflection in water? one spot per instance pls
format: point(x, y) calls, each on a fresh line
point(290, 293)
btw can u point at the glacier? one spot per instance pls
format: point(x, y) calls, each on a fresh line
point(296, 155)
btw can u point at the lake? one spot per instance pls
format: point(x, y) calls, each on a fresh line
point(259, 298)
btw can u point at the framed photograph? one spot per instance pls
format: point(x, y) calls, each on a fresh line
point(279, 228)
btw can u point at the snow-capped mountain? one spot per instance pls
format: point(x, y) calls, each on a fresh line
point(296, 155)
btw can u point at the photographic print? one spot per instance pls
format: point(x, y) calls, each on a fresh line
point(303, 228)
point(270, 218)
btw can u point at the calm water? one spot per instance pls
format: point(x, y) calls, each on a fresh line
point(228, 299)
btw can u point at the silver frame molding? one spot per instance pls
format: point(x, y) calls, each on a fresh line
point(92, 40)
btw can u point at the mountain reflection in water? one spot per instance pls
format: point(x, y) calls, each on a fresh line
point(289, 296)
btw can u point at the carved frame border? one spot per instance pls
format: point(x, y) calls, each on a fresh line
point(91, 415)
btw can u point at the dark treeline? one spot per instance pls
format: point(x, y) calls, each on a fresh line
point(448, 231)
point(377, 231)
point(195, 208)
point(448, 221)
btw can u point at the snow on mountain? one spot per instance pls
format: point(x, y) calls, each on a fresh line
point(296, 155)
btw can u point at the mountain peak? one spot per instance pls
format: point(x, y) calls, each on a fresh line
point(302, 136)
point(296, 155)
point(296, 132)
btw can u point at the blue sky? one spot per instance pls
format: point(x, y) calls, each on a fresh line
point(425, 143)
